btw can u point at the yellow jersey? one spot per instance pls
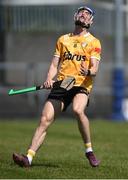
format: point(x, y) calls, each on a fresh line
point(74, 50)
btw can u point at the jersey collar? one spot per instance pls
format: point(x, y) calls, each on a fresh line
point(87, 34)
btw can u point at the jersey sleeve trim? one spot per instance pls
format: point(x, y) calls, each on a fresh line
point(94, 57)
point(56, 55)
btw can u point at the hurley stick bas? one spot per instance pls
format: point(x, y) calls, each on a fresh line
point(67, 84)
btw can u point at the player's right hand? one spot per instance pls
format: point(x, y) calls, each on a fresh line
point(48, 84)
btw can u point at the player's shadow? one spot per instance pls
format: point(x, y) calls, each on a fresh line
point(45, 165)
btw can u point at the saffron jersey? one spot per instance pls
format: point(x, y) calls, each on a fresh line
point(74, 50)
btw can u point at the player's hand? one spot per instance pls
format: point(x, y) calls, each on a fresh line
point(48, 84)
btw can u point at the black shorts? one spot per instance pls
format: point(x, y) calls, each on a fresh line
point(65, 96)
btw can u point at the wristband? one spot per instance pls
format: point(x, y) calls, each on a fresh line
point(88, 72)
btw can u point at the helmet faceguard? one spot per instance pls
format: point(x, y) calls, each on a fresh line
point(88, 21)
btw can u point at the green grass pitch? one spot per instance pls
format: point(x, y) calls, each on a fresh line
point(62, 155)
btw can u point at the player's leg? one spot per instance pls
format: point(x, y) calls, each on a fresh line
point(79, 104)
point(51, 108)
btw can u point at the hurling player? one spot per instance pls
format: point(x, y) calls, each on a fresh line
point(77, 54)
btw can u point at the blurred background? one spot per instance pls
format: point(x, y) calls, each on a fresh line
point(28, 33)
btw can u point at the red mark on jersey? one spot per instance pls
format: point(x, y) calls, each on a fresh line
point(98, 50)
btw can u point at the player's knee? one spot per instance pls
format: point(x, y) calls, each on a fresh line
point(77, 110)
point(45, 121)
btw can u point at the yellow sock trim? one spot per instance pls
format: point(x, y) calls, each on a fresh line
point(31, 153)
point(88, 145)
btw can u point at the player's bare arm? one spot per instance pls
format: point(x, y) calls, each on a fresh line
point(52, 72)
point(93, 70)
point(94, 66)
